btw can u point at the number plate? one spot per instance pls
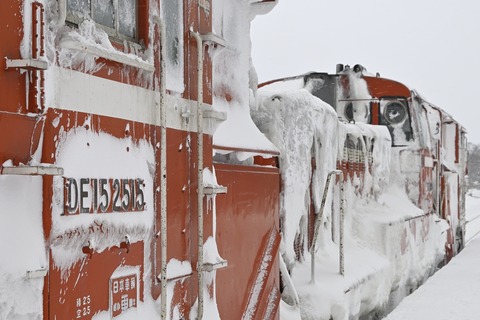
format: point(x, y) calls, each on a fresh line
point(92, 195)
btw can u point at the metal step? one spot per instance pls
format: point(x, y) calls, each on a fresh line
point(31, 64)
point(209, 267)
point(40, 170)
point(211, 190)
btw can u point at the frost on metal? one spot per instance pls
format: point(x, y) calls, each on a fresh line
point(262, 275)
point(272, 301)
point(380, 220)
point(303, 128)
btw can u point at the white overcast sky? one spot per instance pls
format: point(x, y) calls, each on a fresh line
point(429, 45)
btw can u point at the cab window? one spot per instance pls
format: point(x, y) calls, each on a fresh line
point(117, 18)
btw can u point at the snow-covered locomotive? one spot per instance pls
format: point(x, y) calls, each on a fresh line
point(135, 184)
point(403, 163)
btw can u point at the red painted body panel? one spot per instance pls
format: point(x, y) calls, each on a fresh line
point(89, 278)
point(19, 137)
point(12, 83)
point(246, 216)
point(381, 87)
point(89, 281)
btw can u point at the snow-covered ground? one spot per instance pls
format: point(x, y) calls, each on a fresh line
point(454, 291)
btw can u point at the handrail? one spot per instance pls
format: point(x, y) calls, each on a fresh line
point(201, 42)
point(117, 56)
point(318, 222)
point(342, 227)
point(161, 118)
point(200, 47)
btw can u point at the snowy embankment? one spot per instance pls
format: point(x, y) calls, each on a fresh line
point(453, 292)
point(473, 214)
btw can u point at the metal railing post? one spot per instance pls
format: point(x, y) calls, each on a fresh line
point(318, 221)
point(342, 226)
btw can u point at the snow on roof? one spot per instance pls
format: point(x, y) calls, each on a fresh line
point(260, 7)
point(239, 131)
point(233, 91)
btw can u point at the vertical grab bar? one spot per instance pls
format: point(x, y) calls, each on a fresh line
point(318, 221)
point(342, 227)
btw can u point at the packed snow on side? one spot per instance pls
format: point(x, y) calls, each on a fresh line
point(22, 247)
point(452, 293)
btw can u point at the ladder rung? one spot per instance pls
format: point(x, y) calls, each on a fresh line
point(216, 115)
point(40, 273)
point(209, 190)
point(178, 277)
point(209, 267)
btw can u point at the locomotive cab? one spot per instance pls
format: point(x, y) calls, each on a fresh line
point(376, 101)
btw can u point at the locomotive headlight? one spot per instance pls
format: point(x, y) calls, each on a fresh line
point(357, 112)
point(395, 112)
